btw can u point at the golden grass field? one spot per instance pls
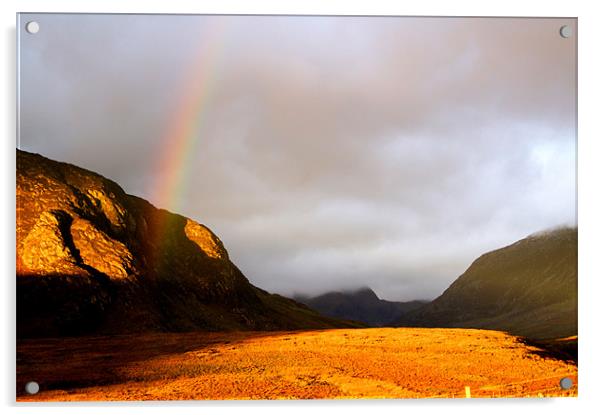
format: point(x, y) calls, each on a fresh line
point(322, 364)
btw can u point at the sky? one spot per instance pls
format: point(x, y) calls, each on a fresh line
point(327, 153)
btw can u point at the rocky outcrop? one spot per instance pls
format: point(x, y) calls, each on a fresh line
point(92, 259)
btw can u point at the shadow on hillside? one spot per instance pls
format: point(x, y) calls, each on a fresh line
point(560, 349)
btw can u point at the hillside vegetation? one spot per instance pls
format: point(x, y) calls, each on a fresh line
point(325, 364)
point(528, 288)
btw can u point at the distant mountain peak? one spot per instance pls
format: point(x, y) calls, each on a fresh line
point(365, 292)
point(359, 304)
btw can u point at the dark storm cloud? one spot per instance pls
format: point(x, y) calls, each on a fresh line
point(334, 152)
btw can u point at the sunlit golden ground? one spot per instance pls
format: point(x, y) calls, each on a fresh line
point(345, 363)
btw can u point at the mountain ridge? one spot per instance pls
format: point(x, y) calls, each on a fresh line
point(361, 304)
point(527, 288)
point(93, 259)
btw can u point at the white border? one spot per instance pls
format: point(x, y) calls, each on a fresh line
point(590, 275)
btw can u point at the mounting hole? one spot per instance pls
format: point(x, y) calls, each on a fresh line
point(32, 388)
point(32, 27)
point(566, 383)
point(566, 31)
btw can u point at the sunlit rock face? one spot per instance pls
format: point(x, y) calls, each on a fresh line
point(45, 249)
point(91, 258)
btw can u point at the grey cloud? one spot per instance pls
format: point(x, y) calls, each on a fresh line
point(333, 152)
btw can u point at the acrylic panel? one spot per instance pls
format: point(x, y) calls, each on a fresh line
point(216, 207)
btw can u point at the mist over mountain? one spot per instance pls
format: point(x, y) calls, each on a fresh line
point(528, 288)
point(360, 305)
point(93, 259)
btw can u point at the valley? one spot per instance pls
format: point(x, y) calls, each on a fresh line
point(120, 300)
point(317, 364)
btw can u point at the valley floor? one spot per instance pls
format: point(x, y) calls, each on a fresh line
point(329, 364)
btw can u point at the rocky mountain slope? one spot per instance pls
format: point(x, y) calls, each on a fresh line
point(360, 305)
point(528, 288)
point(93, 259)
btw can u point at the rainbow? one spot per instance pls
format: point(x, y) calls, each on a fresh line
point(184, 132)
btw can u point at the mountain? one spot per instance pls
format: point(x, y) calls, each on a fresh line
point(359, 305)
point(528, 288)
point(93, 259)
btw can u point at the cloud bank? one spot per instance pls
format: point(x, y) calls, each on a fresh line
point(328, 152)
